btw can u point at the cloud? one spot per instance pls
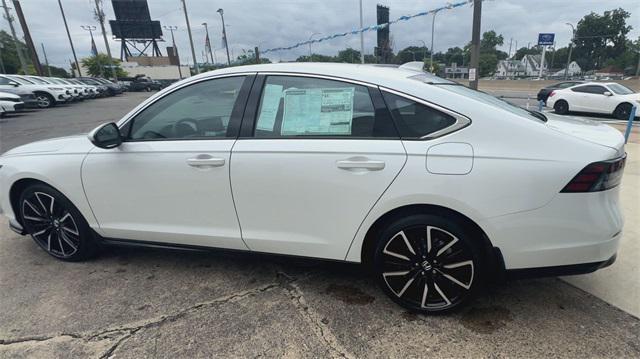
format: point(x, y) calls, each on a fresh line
point(276, 23)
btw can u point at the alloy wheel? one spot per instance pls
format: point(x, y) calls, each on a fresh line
point(427, 268)
point(43, 101)
point(50, 224)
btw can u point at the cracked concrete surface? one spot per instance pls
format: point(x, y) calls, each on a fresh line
point(139, 303)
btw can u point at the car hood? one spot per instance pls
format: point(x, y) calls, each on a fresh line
point(588, 130)
point(69, 144)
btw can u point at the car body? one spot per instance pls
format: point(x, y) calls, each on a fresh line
point(434, 186)
point(72, 91)
point(543, 94)
point(10, 102)
point(101, 89)
point(595, 97)
point(27, 97)
point(144, 84)
point(46, 95)
point(112, 89)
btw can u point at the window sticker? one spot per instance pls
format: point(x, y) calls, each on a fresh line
point(269, 107)
point(322, 111)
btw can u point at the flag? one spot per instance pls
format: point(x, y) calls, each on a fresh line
point(94, 49)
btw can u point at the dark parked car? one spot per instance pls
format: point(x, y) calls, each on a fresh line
point(144, 84)
point(27, 96)
point(111, 88)
point(543, 94)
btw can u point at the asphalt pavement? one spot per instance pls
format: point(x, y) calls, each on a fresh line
point(135, 302)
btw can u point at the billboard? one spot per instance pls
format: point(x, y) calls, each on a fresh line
point(546, 39)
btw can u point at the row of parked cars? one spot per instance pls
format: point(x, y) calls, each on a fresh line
point(23, 91)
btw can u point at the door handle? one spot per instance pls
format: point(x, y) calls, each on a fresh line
point(361, 164)
point(205, 161)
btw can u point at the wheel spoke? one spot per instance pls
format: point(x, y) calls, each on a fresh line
point(36, 219)
point(455, 280)
point(41, 232)
point(61, 246)
point(65, 229)
point(406, 286)
point(442, 295)
point(49, 242)
point(398, 255)
point(33, 208)
point(423, 304)
point(68, 241)
point(40, 201)
point(448, 245)
point(428, 242)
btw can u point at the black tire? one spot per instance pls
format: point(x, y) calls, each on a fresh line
point(45, 100)
point(148, 89)
point(418, 275)
point(623, 111)
point(55, 224)
point(561, 107)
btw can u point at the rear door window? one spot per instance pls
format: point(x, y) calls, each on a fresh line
point(415, 120)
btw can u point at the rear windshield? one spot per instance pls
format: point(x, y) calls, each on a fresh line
point(620, 89)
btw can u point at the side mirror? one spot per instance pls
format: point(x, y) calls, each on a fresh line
point(14, 84)
point(607, 93)
point(106, 136)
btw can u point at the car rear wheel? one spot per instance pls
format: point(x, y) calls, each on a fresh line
point(45, 100)
point(427, 263)
point(55, 224)
point(561, 107)
point(623, 111)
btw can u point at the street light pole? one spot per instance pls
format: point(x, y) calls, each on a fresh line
point(310, 53)
point(475, 45)
point(361, 37)
point(193, 51)
point(206, 28)
point(573, 37)
point(10, 19)
point(224, 35)
point(433, 26)
point(175, 49)
point(424, 50)
point(73, 50)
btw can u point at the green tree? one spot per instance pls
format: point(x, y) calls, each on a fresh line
point(490, 40)
point(9, 54)
point(521, 52)
point(600, 38)
point(453, 55)
point(55, 71)
point(411, 53)
point(349, 55)
point(488, 63)
point(99, 66)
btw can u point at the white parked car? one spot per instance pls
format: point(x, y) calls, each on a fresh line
point(10, 102)
point(435, 187)
point(47, 95)
point(70, 90)
point(596, 97)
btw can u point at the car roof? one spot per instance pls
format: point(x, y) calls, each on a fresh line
point(368, 73)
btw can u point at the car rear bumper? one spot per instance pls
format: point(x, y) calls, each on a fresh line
point(572, 229)
point(556, 271)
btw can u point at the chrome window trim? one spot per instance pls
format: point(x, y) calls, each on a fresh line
point(123, 121)
point(324, 77)
point(461, 120)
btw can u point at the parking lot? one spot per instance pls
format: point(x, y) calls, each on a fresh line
point(133, 302)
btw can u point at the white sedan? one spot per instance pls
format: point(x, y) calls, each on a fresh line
point(10, 102)
point(596, 97)
point(435, 187)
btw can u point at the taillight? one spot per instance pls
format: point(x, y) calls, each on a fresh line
point(552, 93)
point(597, 176)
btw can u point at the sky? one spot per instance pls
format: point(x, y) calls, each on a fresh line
point(279, 23)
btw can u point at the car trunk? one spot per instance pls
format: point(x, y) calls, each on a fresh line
point(588, 130)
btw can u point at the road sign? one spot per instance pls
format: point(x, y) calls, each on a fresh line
point(546, 39)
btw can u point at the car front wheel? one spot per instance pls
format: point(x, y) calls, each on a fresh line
point(55, 224)
point(427, 263)
point(45, 100)
point(623, 111)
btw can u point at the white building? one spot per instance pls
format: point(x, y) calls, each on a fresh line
point(574, 70)
point(528, 66)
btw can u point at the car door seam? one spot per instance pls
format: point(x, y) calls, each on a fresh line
point(84, 189)
point(406, 158)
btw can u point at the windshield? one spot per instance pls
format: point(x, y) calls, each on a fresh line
point(21, 80)
point(620, 89)
point(490, 100)
point(56, 81)
point(90, 82)
point(38, 80)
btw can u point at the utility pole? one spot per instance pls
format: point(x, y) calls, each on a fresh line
point(2, 62)
point(193, 51)
point(475, 45)
point(27, 38)
point(433, 27)
point(73, 50)
point(206, 28)
point(91, 29)
point(544, 52)
point(175, 49)
point(46, 61)
point(573, 37)
point(361, 36)
point(23, 63)
point(510, 42)
point(100, 16)
point(224, 35)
